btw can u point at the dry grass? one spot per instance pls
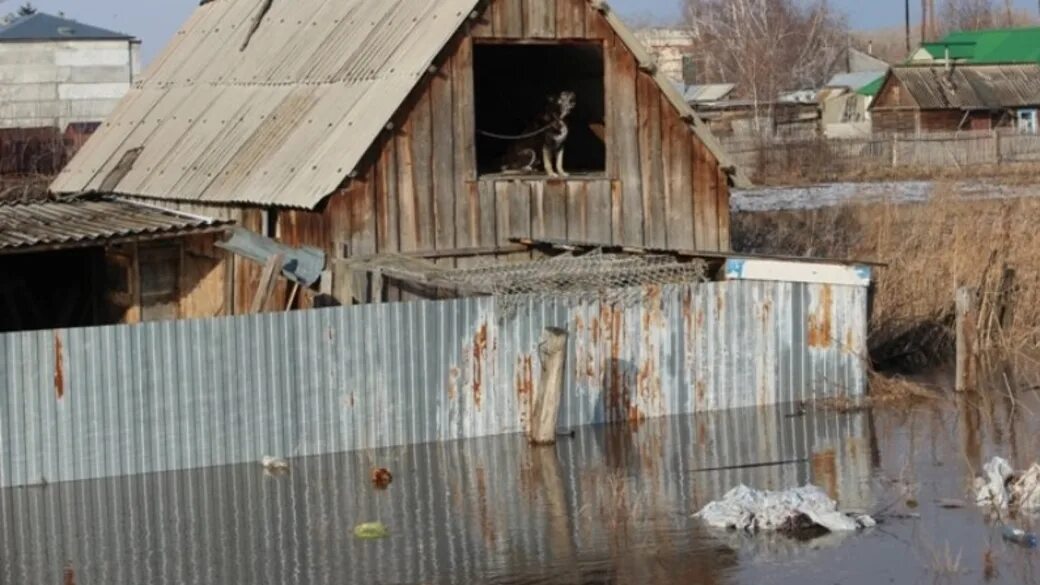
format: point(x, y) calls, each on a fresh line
point(886, 391)
point(931, 250)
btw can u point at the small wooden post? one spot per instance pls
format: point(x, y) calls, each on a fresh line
point(546, 408)
point(895, 150)
point(268, 278)
point(1006, 302)
point(967, 319)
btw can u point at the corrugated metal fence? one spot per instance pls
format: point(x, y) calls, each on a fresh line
point(114, 401)
point(481, 511)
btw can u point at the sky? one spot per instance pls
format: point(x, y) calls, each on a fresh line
point(155, 21)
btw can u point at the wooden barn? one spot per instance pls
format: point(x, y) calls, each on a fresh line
point(373, 127)
point(953, 97)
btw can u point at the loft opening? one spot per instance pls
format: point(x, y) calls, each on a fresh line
point(520, 92)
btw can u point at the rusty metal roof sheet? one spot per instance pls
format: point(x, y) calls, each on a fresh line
point(286, 120)
point(972, 86)
point(75, 223)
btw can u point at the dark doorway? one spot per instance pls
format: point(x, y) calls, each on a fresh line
point(513, 82)
point(51, 290)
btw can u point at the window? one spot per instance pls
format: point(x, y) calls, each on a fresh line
point(1027, 121)
point(513, 83)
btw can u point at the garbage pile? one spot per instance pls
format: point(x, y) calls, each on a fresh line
point(796, 512)
point(1001, 487)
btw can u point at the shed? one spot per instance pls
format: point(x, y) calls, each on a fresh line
point(915, 99)
point(102, 260)
point(364, 128)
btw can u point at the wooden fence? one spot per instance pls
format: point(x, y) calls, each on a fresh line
point(767, 157)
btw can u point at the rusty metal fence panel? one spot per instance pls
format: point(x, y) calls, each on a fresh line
point(113, 401)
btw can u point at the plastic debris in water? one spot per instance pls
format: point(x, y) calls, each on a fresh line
point(382, 478)
point(371, 531)
point(274, 464)
point(1018, 536)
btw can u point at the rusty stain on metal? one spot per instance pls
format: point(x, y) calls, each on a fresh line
point(720, 301)
point(765, 313)
point(825, 472)
point(594, 328)
point(59, 368)
point(487, 524)
point(480, 349)
point(453, 383)
point(850, 341)
point(525, 388)
point(821, 321)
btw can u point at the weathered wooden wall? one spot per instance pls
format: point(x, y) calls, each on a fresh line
point(418, 189)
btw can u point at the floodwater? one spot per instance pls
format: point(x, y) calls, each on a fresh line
point(611, 505)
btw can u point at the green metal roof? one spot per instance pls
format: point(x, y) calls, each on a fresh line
point(1007, 45)
point(871, 89)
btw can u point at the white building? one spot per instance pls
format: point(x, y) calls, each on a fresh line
point(668, 46)
point(55, 71)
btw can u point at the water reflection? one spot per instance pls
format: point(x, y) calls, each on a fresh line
point(613, 504)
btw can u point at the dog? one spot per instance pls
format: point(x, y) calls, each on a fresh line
point(549, 134)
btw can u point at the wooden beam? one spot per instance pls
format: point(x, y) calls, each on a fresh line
point(268, 278)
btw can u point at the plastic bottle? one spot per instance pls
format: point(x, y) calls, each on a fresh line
point(1017, 536)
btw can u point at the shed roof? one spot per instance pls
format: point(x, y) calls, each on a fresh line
point(856, 81)
point(79, 222)
point(286, 120)
point(972, 86)
point(46, 27)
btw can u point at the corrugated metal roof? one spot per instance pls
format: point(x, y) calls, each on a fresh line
point(77, 222)
point(286, 120)
point(708, 93)
point(856, 81)
point(972, 86)
point(45, 27)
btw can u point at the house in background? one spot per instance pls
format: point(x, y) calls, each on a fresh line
point(671, 48)
point(951, 98)
point(1003, 46)
point(362, 130)
point(56, 72)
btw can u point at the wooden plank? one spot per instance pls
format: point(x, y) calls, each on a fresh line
point(422, 156)
point(625, 140)
point(482, 26)
point(468, 202)
point(539, 19)
point(387, 200)
point(675, 223)
point(488, 208)
point(617, 212)
point(444, 184)
point(655, 212)
point(519, 209)
point(555, 209)
point(706, 235)
point(570, 19)
point(600, 212)
point(508, 18)
point(265, 288)
point(681, 183)
point(577, 208)
point(246, 272)
point(597, 27)
point(537, 190)
point(408, 221)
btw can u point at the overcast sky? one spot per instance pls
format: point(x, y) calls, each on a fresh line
point(155, 21)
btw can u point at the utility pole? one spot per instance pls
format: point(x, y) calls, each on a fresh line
point(908, 48)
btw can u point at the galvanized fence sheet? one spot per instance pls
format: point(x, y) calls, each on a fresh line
point(112, 401)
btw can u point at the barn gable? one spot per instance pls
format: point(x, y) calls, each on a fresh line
point(285, 117)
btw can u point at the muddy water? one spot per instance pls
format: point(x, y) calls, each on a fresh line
point(611, 505)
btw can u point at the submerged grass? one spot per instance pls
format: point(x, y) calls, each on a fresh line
point(930, 250)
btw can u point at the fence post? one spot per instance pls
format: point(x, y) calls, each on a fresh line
point(546, 408)
point(967, 321)
point(895, 150)
point(996, 145)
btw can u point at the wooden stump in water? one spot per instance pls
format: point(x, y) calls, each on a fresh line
point(546, 408)
point(967, 320)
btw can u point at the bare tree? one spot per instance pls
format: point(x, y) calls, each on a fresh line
point(972, 15)
point(768, 46)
